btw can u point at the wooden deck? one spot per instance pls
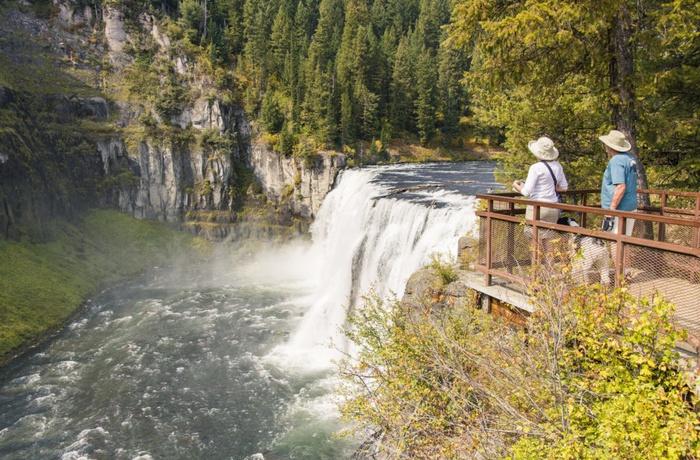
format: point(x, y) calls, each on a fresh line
point(661, 257)
point(684, 294)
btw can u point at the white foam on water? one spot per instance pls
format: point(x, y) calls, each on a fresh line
point(364, 238)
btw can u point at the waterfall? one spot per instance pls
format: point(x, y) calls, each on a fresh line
point(365, 237)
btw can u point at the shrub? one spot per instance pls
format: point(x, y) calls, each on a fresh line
point(592, 375)
point(445, 270)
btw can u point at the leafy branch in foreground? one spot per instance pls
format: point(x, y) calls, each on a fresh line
point(594, 375)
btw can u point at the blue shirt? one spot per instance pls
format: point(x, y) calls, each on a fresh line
point(622, 169)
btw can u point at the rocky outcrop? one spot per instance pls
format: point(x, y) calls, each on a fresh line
point(185, 163)
point(292, 183)
point(115, 35)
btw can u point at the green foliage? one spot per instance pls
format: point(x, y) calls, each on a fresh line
point(211, 141)
point(271, 113)
point(286, 140)
point(426, 101)
point(243, 182)
point(445, 270)
point(402, 381)
point(42, 285)
point(191, 19)
point(593, 374)
point(340, 70)
point(572, 70)
point(44, 9)
point(171, 99)
point(307, 151)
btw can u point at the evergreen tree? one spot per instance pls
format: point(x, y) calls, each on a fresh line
point(233, 10)
point(347, 58)
point(402, 88)
point(433, 15)
point(426, 99)
point(383, 69)
point(319, 110)
point(451, 90)
point(379, 17)
point(328, 34)
point(257, 15)
point(368, 103)
point(404, 14)
point(321, 101)
point(347, 118)
point(286, 141)
point(281, 38)
point(271, 113)
point(295, 62)
point(191, 17)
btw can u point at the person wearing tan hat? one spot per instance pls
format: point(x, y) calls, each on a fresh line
point(545, 179)
point(619, 188)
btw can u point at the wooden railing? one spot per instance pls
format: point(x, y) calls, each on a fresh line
point(652, 222)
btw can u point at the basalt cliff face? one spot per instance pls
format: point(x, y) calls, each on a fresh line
point(99, 108)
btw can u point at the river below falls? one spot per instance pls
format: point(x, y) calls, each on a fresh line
point(173, 366)
point(190, 362)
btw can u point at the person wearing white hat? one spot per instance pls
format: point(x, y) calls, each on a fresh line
point(545, 179)
point(619, 188)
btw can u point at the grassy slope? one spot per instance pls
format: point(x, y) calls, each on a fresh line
point(42, 285)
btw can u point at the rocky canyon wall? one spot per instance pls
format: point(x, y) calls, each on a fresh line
point(195, 162)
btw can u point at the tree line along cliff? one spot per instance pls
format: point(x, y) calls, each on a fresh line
point(178, 96)
point(82, 128)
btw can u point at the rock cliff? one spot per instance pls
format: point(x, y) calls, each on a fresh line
point(120, 117)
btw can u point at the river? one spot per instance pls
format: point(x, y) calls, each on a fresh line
point(230, 358)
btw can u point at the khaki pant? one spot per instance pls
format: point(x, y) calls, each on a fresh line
point(546, 215)
point(629, 225)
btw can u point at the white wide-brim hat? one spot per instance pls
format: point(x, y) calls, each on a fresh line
point(616, 141)
point(543, 148)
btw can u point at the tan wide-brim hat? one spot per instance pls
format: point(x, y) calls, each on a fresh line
point(543, 148)
point(616, 141)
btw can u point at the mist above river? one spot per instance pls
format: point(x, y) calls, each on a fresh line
point(230, 357)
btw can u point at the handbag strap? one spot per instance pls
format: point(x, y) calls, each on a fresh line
point(552, 173)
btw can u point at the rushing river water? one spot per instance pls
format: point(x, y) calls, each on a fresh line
point(230, 358)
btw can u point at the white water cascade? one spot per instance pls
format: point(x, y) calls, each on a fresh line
point(368, 237)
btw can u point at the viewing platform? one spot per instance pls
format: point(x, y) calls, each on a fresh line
point(661, 257)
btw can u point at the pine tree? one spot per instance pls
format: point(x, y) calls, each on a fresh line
point(404, 14)
point(191, 16)
point(258, 23)
point(402, 88)
point(451, 90)
point(433, 15)
point(321, 101)
point(271, 113)
point(232, 25)
point(426, 100)
point(382, 70)
point(281, 38)
point(319, 111)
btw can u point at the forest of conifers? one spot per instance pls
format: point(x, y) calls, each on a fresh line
point(362, 72)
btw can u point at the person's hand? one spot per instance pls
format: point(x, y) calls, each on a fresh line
point(517, 185)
